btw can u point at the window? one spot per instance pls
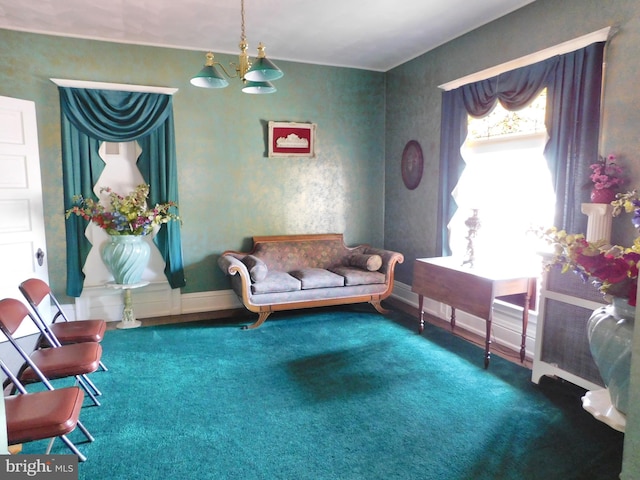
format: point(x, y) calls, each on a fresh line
point(506, 178)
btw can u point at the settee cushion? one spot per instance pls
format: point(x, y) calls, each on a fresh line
point(357, 276)
point(317, 278)
point(293, 255)
point(366, 262)
point(257, 268)
point(276, 282)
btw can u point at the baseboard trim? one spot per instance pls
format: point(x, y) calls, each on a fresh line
point(158, 301)
point(210, 301)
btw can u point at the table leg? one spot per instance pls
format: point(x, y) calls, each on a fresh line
point(421, 313)
point(487, 342)
point(525, 322)
point(453, 318)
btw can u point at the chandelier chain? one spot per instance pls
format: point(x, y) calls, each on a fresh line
point(243, 37)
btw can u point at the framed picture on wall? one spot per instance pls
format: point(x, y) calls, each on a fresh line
point(288, 139)
point(412, 164)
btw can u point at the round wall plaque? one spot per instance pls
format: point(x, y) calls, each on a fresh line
point(412, 164)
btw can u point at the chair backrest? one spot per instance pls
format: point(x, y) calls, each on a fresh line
point(12, 314)
point(34, 291)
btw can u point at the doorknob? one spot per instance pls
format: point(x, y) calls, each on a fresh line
point(40, 256)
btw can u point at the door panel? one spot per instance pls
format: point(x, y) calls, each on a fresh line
point(22, 235)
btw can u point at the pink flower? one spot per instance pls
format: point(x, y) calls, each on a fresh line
point(607, 174)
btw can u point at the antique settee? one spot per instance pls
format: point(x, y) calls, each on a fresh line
point(302, 271)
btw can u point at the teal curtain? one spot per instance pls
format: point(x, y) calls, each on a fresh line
point(158, 167)
point(77, 180)
point(89, 117)
point(573, 120)
point(454, 128)
point(573, 83)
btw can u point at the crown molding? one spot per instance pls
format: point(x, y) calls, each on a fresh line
point(123, 87)
point(560, 49)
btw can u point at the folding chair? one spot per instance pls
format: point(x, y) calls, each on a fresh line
point(74, 360)
point(49, 340)
point(47, 414)
point(65, 332)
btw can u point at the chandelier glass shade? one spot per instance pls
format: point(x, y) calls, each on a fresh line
point(263, 69)
point(256, 77)
point(209, 77)
point(259, 88)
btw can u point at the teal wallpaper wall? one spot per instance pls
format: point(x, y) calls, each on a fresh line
point(413, 103)
point(229, 189)
point(413, 112)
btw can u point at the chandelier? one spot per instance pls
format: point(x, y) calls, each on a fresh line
point(256, 77)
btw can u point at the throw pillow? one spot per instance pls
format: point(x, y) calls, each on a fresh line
point(257, 268)
point(366, 262)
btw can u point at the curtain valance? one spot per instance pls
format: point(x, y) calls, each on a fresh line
point(114, 116)
point(514, 89)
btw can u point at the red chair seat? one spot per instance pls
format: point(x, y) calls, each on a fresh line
point(35, 416)
point(65, 361)
point(80, 331)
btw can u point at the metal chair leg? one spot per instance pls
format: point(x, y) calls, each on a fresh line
point(92, 385)
point(84, 430)
point(87, 390)
point(73, 448)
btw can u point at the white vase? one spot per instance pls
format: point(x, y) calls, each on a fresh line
point(610, 332)
point(126, 257)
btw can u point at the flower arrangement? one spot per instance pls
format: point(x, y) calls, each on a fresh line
point(613, 269)
point(127, 215)
point(628, 202)
point(607, 174)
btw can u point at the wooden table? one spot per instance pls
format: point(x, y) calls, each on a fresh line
point(472, 290)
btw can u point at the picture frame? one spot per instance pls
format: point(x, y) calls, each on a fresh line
point(412, 164)
point(290, 139)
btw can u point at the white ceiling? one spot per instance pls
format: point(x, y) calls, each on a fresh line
point(368, 34)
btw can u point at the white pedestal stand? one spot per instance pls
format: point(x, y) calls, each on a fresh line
point(599, 221)
point(128, 317)
point(598, 403)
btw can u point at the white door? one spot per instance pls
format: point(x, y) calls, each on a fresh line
point(22, 237)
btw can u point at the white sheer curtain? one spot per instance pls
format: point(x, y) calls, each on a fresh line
point(507, 179)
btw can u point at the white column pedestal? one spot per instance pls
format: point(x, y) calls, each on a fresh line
point(599, 222)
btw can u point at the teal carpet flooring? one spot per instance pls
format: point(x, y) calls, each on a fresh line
point(330, 394)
